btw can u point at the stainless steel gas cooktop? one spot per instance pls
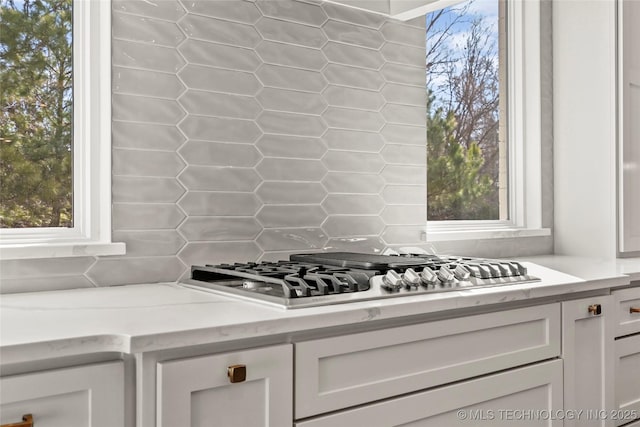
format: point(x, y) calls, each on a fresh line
point(308, 280)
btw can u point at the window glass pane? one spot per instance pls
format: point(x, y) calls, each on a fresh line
point(36, 90)
point(466, 130)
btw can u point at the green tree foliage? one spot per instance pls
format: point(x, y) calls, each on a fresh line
point(463, 88)
point(37, 105)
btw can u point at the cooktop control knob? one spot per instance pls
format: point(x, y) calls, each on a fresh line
point(392, 281)
point(461, 273)
point(428, 277)
point(446, 275)
point(411, 278)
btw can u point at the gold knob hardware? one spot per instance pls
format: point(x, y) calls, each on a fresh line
point(634, 310)
point(237, 373)
point(27, 421)
point(595, 309)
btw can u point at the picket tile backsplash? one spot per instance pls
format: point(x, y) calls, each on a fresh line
point(247, 130)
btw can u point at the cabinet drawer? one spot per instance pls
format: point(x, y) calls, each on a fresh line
point(491, 400)
point(91, 395)
point(628, 376)
point(339, 372)
point(627, 318)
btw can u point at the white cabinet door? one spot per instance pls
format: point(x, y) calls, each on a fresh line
point(628, 378)
point(197, 392)
point(84, 396)
point(629, 164)
point(530, 396)
point(587, 334)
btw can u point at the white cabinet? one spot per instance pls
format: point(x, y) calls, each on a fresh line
point(84, 396)
point(587, 333)
point(629, 107)
point(338, 372)
point(502, 399)
point(199, 392)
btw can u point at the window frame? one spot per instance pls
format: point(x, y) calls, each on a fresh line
point(91, 232)
point(524, 135)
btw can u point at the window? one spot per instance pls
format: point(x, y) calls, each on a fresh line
point(483, 119)
point(55, 197)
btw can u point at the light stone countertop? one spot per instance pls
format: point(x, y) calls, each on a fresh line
point(140, 318)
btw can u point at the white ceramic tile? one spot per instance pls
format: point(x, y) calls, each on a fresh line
point(349, 161)
point(143, 82)
point(145, 136)
point(202, 203)
point(291, 55)
point(283, 192)
point(353, 225)
point(204, 103)
point(291, 123)
point(150, 243)
point(143, 29)
point(353, 77)
point(232, 10)
point(344, 118)
point(43, 284)
point(209, 178)
point(405, 154)
point(289, 32)
point(339, 96)
point(353, 140)
point(291, 146)
point(218, 80)
point(140, 55)
point(220, 129)
point(405, 194)
point(405, 215)
point(351, 34)
point(219, 55)
point(291, 78)
point(146, 163)
point(346, 182)
point(291, 216)
point(403, 54)
point(219, 228)
point(353, 204)
point(143, 109)
point(109, 272)
point(408, 95)
point(354, 16)
point(404, 74)
point(207, 153)
point(292, 239)
point(405, 114)
point(291, 101)
point(275, 169)
point(216, 30)
point(397, 174)
point(201, 253)
point(169, 10)
point(404, 234)
point(147, 216)
point(353, 55)
point(400, 134)
point(303, 13)
point(131, 189)
point(408, 35)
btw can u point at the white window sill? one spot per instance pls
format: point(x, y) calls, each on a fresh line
point(441, 235)
point(39, 250)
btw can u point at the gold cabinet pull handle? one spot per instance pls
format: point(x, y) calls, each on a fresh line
point(634, 310)
point(27, 421)
point(236, 373)
point(595, 309)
